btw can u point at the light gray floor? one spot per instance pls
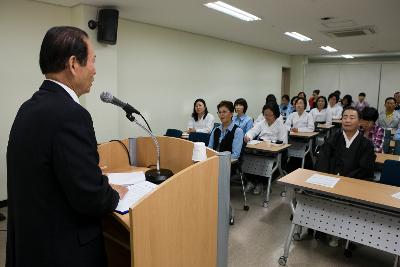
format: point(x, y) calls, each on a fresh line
point(257, 238)
point(258, 235)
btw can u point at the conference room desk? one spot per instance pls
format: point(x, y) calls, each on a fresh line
point(356, 210)
point(381, 157)
point(264, 159)
point(301, 145)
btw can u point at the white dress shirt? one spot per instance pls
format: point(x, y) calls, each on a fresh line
point(349, 142)
point(321, 116)
point(274, 132)
point(69, 90)
point(203, 125)
point(335, 112)
point(304, 123)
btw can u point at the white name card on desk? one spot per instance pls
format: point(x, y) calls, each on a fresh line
point(135, 193)
point(323, 180)
point(254, 142)
point(397, 195)
point(126, 179)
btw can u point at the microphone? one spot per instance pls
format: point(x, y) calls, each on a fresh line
point(107, 97)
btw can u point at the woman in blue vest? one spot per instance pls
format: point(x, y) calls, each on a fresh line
point(228, 136)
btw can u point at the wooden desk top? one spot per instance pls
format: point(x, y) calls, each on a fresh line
point(380, 157)
point(370, 193)
point(268, 147)
point(303, 135)
point(325, 126)
point(337, 121)
point(124, 219)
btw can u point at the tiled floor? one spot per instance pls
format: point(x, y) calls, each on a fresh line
point(258, 235)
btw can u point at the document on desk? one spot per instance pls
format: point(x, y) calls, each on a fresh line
point(254, 142)
point(135, 193)
point(128, 178)
point(323, 180)
point(397, 195)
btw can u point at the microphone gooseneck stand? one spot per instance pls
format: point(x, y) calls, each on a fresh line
point(157, 175)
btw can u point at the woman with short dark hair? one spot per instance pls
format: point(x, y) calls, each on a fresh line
point(201, 121)
point(347, 101)
point(241, 119)
point(300, 121)
point(371, 130)
point(228, 136)
point(319, 113)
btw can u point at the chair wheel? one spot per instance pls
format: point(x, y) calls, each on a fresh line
point(265, 204)
point(296, 237)
point(348, 253)
point(232, 221)
point(246, 208)
point(282, 261)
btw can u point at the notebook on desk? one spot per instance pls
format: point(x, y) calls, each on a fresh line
point(137, 186)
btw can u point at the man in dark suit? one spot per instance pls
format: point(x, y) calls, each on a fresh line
point(56, 191)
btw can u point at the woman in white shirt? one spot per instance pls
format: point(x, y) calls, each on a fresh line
point(300, 121)
point(334, 109)
point(201, 121)
point(320, 113)
point(271, 128)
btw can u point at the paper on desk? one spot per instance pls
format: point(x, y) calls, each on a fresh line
point(254, 142)
point(397, 195)
point(323, 180)
point(135, 193)
point(128, 178)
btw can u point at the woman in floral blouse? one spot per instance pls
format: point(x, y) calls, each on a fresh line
point(371, 130)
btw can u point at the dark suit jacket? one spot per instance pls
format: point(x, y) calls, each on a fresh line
point(357, 161)
point(56, 191)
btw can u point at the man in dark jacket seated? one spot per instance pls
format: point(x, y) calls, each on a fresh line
point(347, 153)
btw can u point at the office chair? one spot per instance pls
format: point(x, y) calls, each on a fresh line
point(173, 133)
point(199, 137)
point(391, 173)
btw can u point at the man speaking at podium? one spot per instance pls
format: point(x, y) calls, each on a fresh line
point(56, 191)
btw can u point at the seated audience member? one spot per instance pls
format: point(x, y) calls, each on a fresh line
point(201, 121)
point(241, 119)
point(270, 129)
point(269, 98)
point(334, 109)
point(303, 95)
point(361, 103)
point(338, 93)
point(228, 136)
point(285, 108)
point(300, 121)
point(397, 98)
point(397, 135)
point(319, 113)
point(370, 129)
point(347, 101)
point(312, 102)
point(347, 152)
point(389, 118)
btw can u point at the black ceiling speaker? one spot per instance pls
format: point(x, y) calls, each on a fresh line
point(107, 26)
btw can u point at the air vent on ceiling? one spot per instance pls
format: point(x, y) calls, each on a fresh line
point(360, 31)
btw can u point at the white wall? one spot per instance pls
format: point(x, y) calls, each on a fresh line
point(161, 72)
point(157, 70)
point(22, 27)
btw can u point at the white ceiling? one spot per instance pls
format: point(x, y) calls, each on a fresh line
point(278, 16)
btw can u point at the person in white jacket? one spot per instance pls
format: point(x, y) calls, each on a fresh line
point(272, 129)
point(201, 121)
point(334, 109)
point(320, 113)
point(300, 121)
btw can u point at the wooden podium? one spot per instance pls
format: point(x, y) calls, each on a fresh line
point(176, 224)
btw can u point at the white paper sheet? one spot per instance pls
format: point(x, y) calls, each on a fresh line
point(135, 193)
point(254, 142)
point(323, 180)
point(128, 178)
point(397, 195)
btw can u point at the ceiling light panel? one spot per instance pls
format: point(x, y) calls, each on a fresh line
point(298, 36)
point(329, 49)
point(232, 11)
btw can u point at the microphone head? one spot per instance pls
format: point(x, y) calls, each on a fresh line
point(106, 97)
